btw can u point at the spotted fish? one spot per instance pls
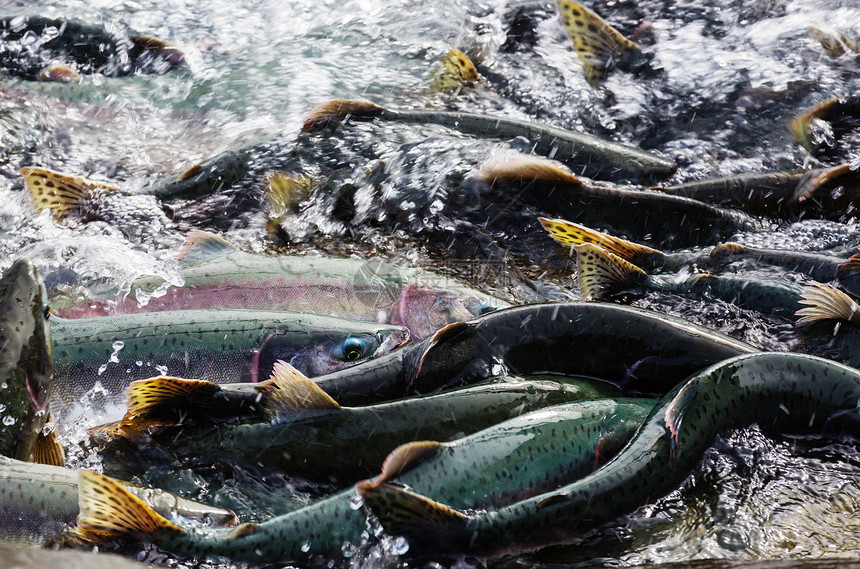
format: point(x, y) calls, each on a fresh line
point(586, 431)
point(788, 393)
point(456, 71)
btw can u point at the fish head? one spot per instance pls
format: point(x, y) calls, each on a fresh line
point(426, 310)
point(332, 351)
point(26, 362)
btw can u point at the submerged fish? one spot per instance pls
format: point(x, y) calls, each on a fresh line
point(39, 502)
point(523, 446)
point(217, 275)
point(304, 431)
point(600, 157)
point(33, 44)
point(665, 218)
point(788, 393)
point(603, 275)
point(26, 367)
point(225, 346)
point(645, 351)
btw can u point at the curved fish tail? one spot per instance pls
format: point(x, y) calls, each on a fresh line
point(333, 112)
point(811, 182)
point(801, 125)
point(62, 194)
point(602, 274)
point(599, 45)
point(455, 72)
point(291, 392)
point(159, 400)
point(570, 234)
point(412, 515)
point(826, 302)
point(111, 514)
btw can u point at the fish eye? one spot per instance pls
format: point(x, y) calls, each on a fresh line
point(354, 349)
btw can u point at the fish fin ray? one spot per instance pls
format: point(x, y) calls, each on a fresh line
point(48, 449)
point(145, 396)
point(61, 194)
point(801, 125)
point(201, 246)
point(293, 392)
point(110, 513)
point(602, 274)
point(570, 234)
point(674, 416)
point(826, 302)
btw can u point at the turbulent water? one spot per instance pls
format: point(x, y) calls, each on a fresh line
point(727, 78)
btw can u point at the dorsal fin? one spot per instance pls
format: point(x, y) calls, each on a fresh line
point(201, 246)
point(455, 72)
point(242, 530)
point(59, 73)
point(286, 191)
point(826, 302)
point(333, 112)
point(412, 515)
point(60, 193)
point(723, 251)
point(48, 449)
point(570, 234)
point(153, 401)
point(602, 274)
point(109, 513)
point(441, 335)
point(292, 392)
point(189, 173)
point(404, 457)
point(526, 169)
point(598, 44)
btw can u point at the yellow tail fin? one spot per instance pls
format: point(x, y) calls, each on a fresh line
point(602, 274)
point(292, 392)
point(598, 44)
point(62, 194)
point(570, 234)
point(455, 72)
point(48, 449)
point(285, 192)
point(827, 302)
point(801, 125)
point(109, 513)
point(148, 400)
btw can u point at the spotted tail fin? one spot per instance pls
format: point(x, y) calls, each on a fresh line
point(48, 449)
point(827, 302)
point(603, 274)
point(61, 194)
point(161, 400)
point(291, 392)
point(455, 72)
point(570, 234)
point(111, 514)
point(412, 515)
point(599, 45)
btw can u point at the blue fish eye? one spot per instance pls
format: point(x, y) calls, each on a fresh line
point(354, 348)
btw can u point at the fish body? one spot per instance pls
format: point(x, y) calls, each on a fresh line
point(26, 366)
point(787, 393)
point(217, 275)
point(603, 274)
point(38, 502)
point(518, 457)
point(666, 219)
point(316, 438)
point(645, 351)
point(600, 157)
point(219, 345)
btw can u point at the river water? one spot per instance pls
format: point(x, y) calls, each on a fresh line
point(727, 77)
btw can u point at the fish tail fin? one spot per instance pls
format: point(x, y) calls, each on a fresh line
point(674, 416)
point(48, 449)
point(850, 268)
point(111, 514)
point(292, 392)
point(285, 192)
point(62, 194)
point(412, 515)
point(801, 125)
point(333, 112)
point(599, 45)
point(455, 72)
point(570, 234)
point(810, 183)
point(835, 44)
point(405, 457)
point(827, 302)
point(602, 274)
point(201, 246)
point(159, 400)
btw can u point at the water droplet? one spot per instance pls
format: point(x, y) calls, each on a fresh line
point(102, 368)
point(2, 407)
point(138, 363)
point(161, 369)
point(306, 546)
point(348, 549)
point(356, 502)
point(399, 546)
point(8, 420)
point(117, 346)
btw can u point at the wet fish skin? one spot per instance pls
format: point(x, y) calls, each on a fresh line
point(344, 444)
point(39, 502)
point(645, 351)
point(220, 345)
point(323, 527)
point(26, 366)
point(788, 393)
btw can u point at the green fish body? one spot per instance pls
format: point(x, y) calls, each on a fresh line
point(557, 443)
point(789, 393)
point(306, 433)
point(217, 275)
point(26, 367)
point(38, 502)
point(645, 351)
point(219, 345)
